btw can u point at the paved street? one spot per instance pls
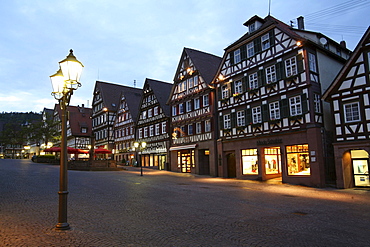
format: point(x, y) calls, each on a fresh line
point(121, 208)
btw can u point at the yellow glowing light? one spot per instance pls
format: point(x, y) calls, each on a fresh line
point(299, 43)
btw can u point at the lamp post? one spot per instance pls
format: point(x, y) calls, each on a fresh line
point(140, 146)
point(64, 82)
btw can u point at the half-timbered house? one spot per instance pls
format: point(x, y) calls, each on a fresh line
point(271, 121)
point(349, 96)
point(153, 124)
point(106, 98)
point(125, 124)
point(192, 104)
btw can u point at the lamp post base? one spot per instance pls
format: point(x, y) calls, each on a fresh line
point(62, 226)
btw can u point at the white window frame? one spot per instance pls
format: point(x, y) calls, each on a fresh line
point(291, 67)
point(188, 106)
point(295, 106)
point(250, 49)
point(317, 102)
point(145, 132)
point(237, 57)
point(150, 113)
point(225, 91)
point(265, 40)
point(151, 130)
point(207, 126)
point(181, 108)
point(240, 118)
point(253, 81)
point(164, 126)
point(196, 81)
point(190, 82)
point(205, 100)
point(140, 133)
point(156, 111)
point(274, 110)
point(312, 62)
point(238, 87)
point(157, 128)
point(352, 112)
point(196, 103)
point(174, 110)
point(190, 129)
point(256, 115)
point(270, 74)
point(198, 127)
point(227, 121)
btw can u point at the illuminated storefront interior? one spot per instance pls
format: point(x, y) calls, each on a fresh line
point(360, 163)
point(298, 160)
point(250, 161)
point(272, 160)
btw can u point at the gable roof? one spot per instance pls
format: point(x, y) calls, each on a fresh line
point(110, 94)
point(347, 66)
point(132, 97)
point(161, 91)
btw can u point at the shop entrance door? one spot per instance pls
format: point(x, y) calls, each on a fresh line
point(361, 172)
point(185, 162)
point(272, 161)
point(231, 165)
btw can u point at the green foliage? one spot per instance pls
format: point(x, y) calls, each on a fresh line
point(46, 156)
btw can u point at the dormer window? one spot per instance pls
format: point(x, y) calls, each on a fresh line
point(252, 27)
point(83, 130)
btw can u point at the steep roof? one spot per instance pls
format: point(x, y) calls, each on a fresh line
point(133, 97)
point(347, 66)
point(161, 91)
point(206, 63)
point(110, 94)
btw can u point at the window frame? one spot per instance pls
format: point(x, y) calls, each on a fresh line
point(270, 74)
point(351, 118)
point(291, 68)
point(265, 41)
point(240, 118)
point(256, 115)
point(253, 80)
point(227, 121)
point(295, 106)
point(238, 87)
point(274, 110)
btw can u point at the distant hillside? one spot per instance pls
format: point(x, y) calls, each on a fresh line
point(19, 117)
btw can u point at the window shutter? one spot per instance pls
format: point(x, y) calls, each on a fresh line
point(279, 70)
point(261, 77)
point(232, 58)
point(299, 58)
point(284, 108)
point(221, 122)
point(219, 92)
point(232, 87)
point(229, 88)
point(245, 83)
point(243, 52)
point(233, 119)
point(272, 38)
point(265, 113)
point(248, 116)
point(257, 45)
point(304, 103)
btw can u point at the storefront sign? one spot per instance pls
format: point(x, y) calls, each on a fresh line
point(270, 141)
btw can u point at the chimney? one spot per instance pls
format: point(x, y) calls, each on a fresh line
point(343, 44)
point(300, 22)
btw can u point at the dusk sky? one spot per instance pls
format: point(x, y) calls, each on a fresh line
point(123, 41)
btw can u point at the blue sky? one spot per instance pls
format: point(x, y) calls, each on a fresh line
point(123, 41)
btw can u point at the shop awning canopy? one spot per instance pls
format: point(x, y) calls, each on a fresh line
point(191, 146)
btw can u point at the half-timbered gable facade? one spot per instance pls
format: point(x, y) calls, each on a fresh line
point(349, 96)
point(104, 108)
point(125, 124)
point(153, 123)
point(192, 114)
point(269, 101)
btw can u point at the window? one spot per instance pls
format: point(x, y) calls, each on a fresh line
point(205, 100)
point(250, 49)
point(182, 132)
point(295, 106)
point(312, 62)
point(156, 111)
point(225, 92)
point(207, 125)
point(272, 160)
point(195, 80)
point(145, 131)
point(253, 81)
point(84, 130)
point(252, 27)
point(140, 133)
point(198, 127)
point(188, 106)
point(351, 112)
point(237, 57)
point(317, 102)
point(196, 103)
point(240, 117)
point(256, 115)
point(250, 161)
point(290, 67)
point(157, 129)
point(151, 130)
point(265, 41)
point(298, 160)
point(174, 110)
point(227, 121)
point(190, 129)
point(238, 87)
point(270, 74)
point(190, 82)
point(150, 111)
point(181, 108)
point(164, 127)
point(274, 110)
point(144, 114)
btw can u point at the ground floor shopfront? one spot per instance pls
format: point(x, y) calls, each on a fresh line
point(298, 158)
point(352, 163)
point(194, 158)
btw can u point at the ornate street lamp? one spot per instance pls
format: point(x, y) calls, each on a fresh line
point(139, 146)
point(64, 82)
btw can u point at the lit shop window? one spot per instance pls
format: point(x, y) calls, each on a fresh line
point(298, 160)
point(250, 161)
point(272, 160)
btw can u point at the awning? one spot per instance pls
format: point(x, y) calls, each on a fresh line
point(183, 147)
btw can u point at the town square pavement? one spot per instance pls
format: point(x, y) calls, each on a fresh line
point(161, 208)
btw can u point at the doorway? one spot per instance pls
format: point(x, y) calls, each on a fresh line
point(231, 165)
point(272, 161)
point(360, 165)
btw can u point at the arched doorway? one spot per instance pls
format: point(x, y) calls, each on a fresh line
point(360, 166)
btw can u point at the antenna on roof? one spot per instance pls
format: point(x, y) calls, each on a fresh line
point(269, 7)
point(134, 83)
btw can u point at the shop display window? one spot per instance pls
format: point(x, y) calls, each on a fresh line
point(298, 160)
point(272, 160)
point(250, 161)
